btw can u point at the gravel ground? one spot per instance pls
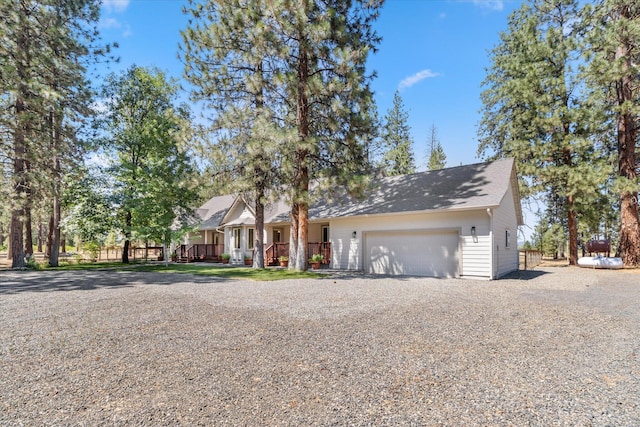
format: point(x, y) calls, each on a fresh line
point(559, 346)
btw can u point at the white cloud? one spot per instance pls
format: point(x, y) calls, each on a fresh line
point(106, 23)
point(115, 5)
point(490, 4)
point(127, 31)
point(419, 76)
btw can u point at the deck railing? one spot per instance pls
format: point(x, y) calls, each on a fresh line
point(201, 252)
point(274, 251)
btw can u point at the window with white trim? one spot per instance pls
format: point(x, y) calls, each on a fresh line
point(251, 242)
point(236, 238)
point(507, 238)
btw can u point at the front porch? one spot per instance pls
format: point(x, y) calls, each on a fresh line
point(272, 252)
point(200, 252)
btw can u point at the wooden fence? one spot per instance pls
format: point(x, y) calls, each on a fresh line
point(530, 259)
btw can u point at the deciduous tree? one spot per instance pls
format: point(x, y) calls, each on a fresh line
point(146, 132)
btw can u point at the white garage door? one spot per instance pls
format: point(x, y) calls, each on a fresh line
point(414, 253)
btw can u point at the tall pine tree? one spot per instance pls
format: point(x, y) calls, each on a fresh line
point(43, 56)
point(533, 109)
point(612, 57)
point(436, 158)
point(303, 65)
point(398, 157)
point(228, 54)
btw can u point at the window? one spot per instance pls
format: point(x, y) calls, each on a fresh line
point(236, 238)
point(251, 242)
point(507, 238)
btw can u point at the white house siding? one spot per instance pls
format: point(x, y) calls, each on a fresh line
point(347, 254)
point(504, 218)
point(476, 261)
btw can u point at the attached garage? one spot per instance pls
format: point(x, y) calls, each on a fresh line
point(413, 253)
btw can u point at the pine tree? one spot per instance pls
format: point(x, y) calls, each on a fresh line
point(534, 111)
point(303, 65)
point(436, 157)
point(612, 56)
point(227, 50)
point(398, 157)
point(43, 55)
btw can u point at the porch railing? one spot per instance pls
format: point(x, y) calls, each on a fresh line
point(322, 248)
point(200, 252)
point(274, 251)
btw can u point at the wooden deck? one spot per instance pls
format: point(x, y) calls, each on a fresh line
point(200, 252)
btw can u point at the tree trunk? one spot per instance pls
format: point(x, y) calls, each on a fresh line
point(127, 243)
point(56, 122)
point(17, 213)
point(258, 246)
point(627, 136)
point(303, 237)
point(293, 235)
point(17, 249)
point(572, 220)
point(28, 230)
point(40, 237)
point(9, 245)
point(47, 253)
point(55, 227)
point(301, 179)
point(63, 243)
point(573, 232)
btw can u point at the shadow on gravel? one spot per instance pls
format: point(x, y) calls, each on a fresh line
point(19, 282)
point(525, 275)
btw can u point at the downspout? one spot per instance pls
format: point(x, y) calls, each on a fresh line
point(491, 243)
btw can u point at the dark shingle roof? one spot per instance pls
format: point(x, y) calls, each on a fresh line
point(480, 185)
point(477, 186)
point(214, 211)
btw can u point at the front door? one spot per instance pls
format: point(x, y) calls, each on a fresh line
point(277, 235)
point(325, 233)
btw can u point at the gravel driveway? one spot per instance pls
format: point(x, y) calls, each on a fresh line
point(559, 346)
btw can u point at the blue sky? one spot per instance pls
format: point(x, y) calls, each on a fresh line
point(434, 51)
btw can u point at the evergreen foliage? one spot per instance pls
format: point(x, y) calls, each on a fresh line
point(288, 90)
point(398, 157)
point(612, 54)
point(45, 49)
point(436, 159)
point(226, 52)
point(535, 111)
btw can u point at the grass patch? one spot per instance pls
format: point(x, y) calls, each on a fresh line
point(68, 266)
point(261, 275)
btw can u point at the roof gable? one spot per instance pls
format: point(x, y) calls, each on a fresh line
point(214, 210)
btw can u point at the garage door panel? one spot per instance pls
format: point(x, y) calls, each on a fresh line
point(420, 253)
